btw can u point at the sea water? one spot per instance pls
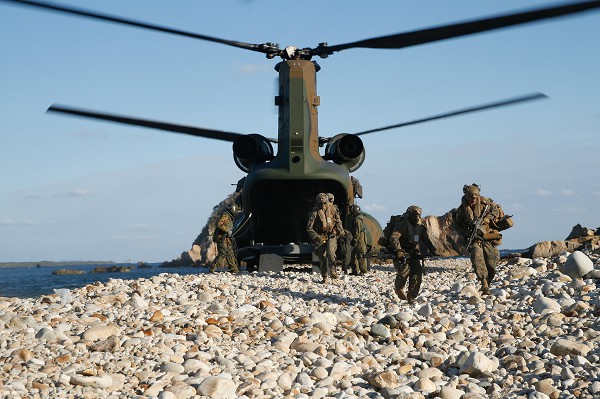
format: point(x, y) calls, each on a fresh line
point(29, 282)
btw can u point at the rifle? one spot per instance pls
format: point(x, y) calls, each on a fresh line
point(477, 226)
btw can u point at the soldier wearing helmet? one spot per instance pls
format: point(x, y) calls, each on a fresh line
point(223, 237)
point(359, 241)
point(343, 245)
point(405, 240)
point(324, 227)
point(477, 221)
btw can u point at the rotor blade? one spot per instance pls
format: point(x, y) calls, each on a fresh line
point(415, 38)
point(190, 130)
point(261, 48)
point(503, 103)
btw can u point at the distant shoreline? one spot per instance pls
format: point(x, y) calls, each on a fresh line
point(59, 263)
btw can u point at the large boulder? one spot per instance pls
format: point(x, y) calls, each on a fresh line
point(548, 249)
point(578, 231)
point(587, 238)
point(579, 238)
point(577, 265)
point(444, 238)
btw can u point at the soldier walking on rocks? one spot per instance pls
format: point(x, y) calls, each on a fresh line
point(223, 237)
point(404, 242)
point(323, 228)
point(479, 221)
point(359, 241)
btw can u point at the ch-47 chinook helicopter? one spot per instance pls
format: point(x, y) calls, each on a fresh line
point(280, 186)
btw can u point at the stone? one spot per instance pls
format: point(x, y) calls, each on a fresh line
point(99, 331)
point(544, 305)
point(477, 363)
point(577, 265)
point(386, 379)
point(218, 386)
point(448, 392)
point(564, 347)
point(103, 382)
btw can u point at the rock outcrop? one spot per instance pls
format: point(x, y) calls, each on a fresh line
point(203, 249)
point(579, 238)
point(62, 272)
point(443, 236)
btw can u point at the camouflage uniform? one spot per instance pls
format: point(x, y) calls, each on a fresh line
point(344, 250)
point(225, 242)
point(484, 248)
point(407, 235)
point(359, 242)
point(324, 228)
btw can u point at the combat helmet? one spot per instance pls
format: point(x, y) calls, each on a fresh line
point(355, 210)
point(472, 193)
point(413, 209)
point(322, 198)
point(471, 189)
point(413, 214)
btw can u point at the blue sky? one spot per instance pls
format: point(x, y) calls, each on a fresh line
point(76, 189)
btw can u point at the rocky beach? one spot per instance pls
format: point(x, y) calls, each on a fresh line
point(287, 335)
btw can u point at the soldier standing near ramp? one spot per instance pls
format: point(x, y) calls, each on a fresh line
point(479, 221)
point(223, 237)
point(407, 235)
point(324, 228)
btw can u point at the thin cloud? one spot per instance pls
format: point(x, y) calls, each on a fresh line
point(77, 193)
point(572, 209)
point(90, 134)
point(249, 69)
point(569, 209)
point(140, 226)
point(543, 193)
point(11, 222)
point(374, 207)
point(567, 191)
point(515, 205)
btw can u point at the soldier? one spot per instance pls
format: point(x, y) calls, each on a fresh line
point(359, 241)
point(407, 235)
point(344, 251)
point(324, 228)
point(343, 246)
point(479, 221)
point(223, 237)
point(334, 208)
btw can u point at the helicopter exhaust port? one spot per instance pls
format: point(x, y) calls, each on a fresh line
point(346, 149)
point(251, 149)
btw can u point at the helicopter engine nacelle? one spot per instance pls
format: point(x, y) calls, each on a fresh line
point(346, 149)
point(251, 149)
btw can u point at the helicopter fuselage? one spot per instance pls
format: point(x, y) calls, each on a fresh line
point(278, 194)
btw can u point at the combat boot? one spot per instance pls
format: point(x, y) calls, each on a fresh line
point(401, 294)
point(485, 289)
